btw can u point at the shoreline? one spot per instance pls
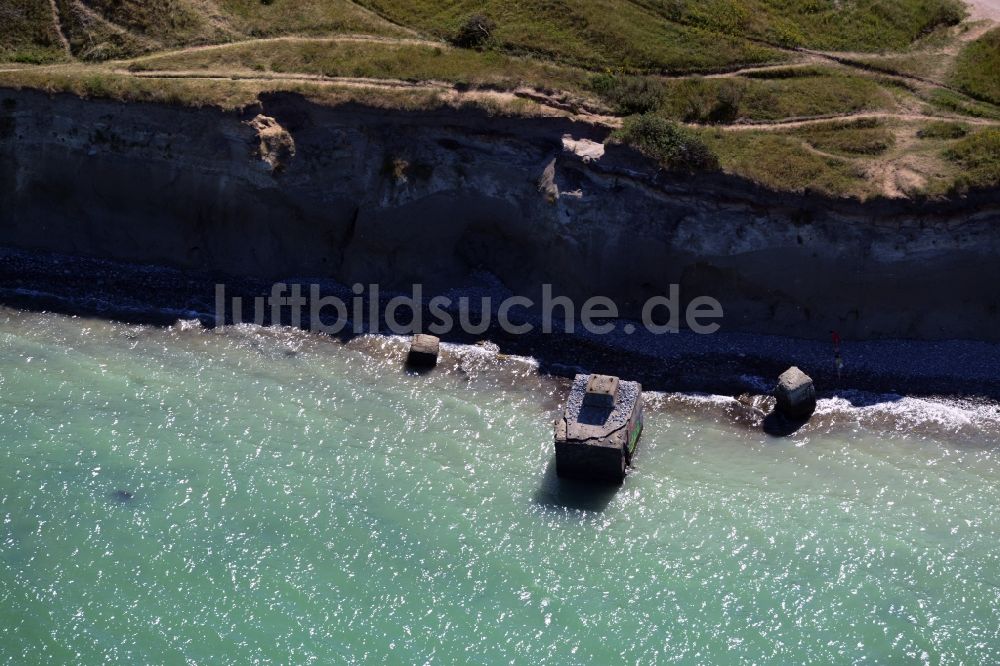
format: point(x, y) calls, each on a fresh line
point(726, 363)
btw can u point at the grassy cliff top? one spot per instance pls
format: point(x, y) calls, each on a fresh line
point(847, 97)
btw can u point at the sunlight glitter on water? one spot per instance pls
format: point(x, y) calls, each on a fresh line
point(263, 495)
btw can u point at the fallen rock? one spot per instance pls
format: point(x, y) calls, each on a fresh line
point(547, 182)
point(424, 350)
point(585, 149)
point(277, 147)
point(796, 394)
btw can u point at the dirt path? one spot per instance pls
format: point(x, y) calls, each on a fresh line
point(803, 57)
point(808, 61)
point(535, 96)
point(98, 19)
point(376, 15)
point(57, 24)
point(561, 103)
point(977, 30)
point(984, 16)
point(349, 38)
point(792, 123)
point(853, 61)
point(547, 103)
point(360, 82)
point(7, 67)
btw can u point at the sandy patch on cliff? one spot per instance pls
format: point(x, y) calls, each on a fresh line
point(984, 9)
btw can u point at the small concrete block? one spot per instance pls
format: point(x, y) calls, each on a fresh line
point(602, 391)
point(796, 394)
point(424, 350)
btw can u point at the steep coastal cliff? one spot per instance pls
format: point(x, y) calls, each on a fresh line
point(292, 188)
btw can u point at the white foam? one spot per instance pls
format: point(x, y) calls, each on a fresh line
point(187, 325)
point(658, 399)
point(487, 351)
point(909, 411)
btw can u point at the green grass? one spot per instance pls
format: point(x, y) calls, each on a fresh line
point(239, 94)
point(790, 93)
point(858, 25)
point(978, 158)
point(639, 36)
point(623, 52)
point(977, 69)
point(93, 83)
point(782, 162)
point(593, 33)
point(411, 62)
point(27, 33)
point(92, 37)
point(122, 28)
point(305, 17)
point(861, 138)
point(950, 101)
point(943, 130)
point(919, 65)
point(109, 29)
point(168, 22)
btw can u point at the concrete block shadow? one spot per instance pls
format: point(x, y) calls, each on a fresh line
point(568, 494)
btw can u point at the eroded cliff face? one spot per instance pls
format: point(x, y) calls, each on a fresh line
point(361, 195)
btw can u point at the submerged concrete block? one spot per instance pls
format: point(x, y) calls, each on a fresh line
point(599, 430)
point(796, 394)
point(424, 350)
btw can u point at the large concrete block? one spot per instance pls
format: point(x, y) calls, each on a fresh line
point(424, 350)
point(599, 430)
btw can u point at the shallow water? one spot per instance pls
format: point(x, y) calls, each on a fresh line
point(264, 496)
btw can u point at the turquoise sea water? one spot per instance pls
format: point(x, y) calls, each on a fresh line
point(264, 496)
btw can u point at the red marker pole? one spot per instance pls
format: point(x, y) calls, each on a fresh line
point(838, 362)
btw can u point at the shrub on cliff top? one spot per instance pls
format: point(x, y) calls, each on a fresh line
point(476, 32)
point(667, 142)
point(629, 94)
